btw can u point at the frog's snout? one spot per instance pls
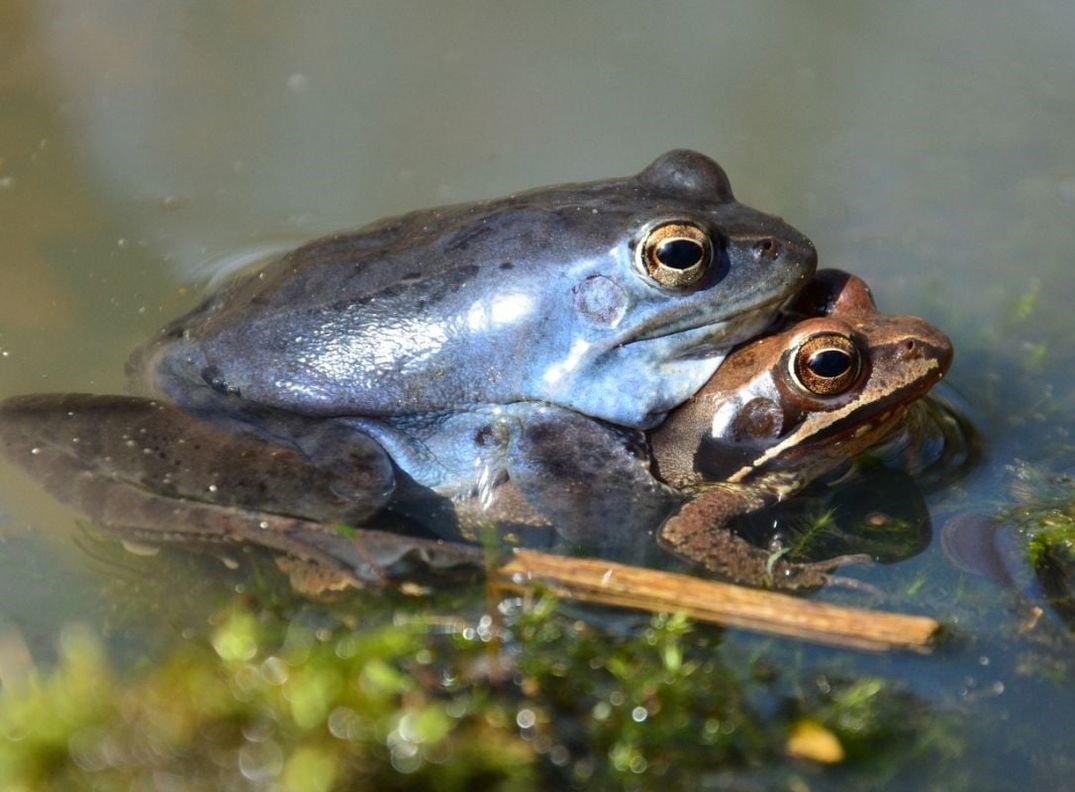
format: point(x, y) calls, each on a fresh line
point(800, 248)
point(783, 247)
point(923, 341)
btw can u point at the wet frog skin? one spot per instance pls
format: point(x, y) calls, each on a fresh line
point(153, 474)
point(781, 412)
point(615, 299)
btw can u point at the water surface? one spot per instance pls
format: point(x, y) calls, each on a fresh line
point(929, 149)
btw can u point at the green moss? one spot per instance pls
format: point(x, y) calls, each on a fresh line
point(882, 728)
point(1054, 535)
point(537, 698)
point(321, 714)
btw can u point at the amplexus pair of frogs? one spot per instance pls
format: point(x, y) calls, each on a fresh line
point(609, 363)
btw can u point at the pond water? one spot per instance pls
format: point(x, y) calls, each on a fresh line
point(929, 148)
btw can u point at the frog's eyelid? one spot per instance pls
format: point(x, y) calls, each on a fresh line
point(688, 173)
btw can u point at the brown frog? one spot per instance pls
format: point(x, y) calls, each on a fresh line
point(784, 410)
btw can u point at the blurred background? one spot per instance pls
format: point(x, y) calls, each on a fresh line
point(927, 147)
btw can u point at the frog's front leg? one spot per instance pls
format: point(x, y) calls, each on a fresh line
point(699, 532)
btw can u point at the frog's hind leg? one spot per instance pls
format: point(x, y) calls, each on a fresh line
point(141, 463)
point(591, 480)
point(152, 473)
point(318, 557)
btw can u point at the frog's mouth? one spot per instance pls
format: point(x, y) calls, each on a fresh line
point(880, 419)
point(697, 336)
point(866, 422)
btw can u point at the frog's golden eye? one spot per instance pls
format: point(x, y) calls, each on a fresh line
point(826, 364)
point(676, 254)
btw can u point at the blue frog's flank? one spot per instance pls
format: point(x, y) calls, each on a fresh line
point(616, 299)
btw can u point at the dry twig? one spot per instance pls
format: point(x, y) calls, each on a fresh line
point(608, 583)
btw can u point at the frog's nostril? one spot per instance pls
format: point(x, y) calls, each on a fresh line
point(911, 349)
point(766, 249)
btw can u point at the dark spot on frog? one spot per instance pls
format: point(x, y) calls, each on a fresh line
point(539, 434)
point(507, 265)
point(601, 300)
point(636, 449)
point(484, 436)
point(573, 457)
point(451, 282)
point(492, 435)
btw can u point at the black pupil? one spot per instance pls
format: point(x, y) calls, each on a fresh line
point(679, 254)
point(829, 363)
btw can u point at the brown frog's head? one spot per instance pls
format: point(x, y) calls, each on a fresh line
point(802, 400)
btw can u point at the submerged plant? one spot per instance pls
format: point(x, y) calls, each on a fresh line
point(534, 698)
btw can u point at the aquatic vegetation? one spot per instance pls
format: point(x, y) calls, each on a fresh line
point(1055, 534)
point(533, 698)
point(256, 702)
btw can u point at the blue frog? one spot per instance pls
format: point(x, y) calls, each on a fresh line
point(615, 299)
point(411, 362)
